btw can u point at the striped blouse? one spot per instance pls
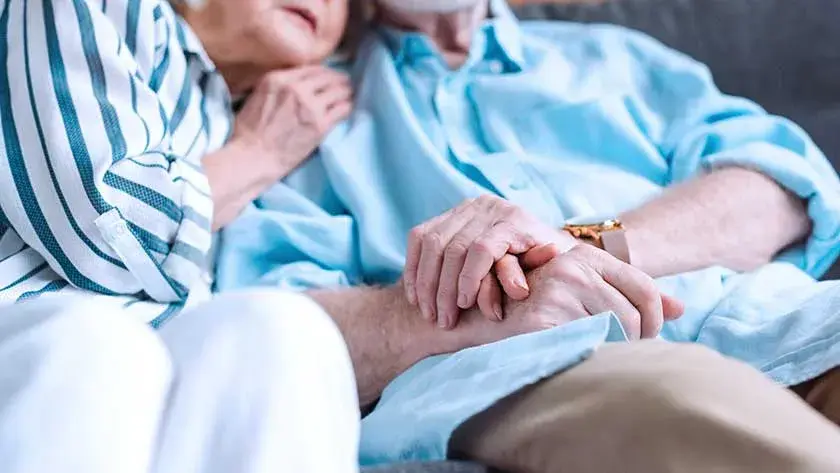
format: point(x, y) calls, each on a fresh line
point(106, 109)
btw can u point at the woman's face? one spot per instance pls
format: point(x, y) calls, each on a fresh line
point(268, 34)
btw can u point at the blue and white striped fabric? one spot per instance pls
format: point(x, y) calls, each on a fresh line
point(106, 108)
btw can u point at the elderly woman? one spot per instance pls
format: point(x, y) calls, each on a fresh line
point(121, 156)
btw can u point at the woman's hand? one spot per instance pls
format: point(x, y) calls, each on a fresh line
point(290, 112)
point(283, 121)
point(450, 258)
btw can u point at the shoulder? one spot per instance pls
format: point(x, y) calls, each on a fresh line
point(141, 26)
point(615, 45)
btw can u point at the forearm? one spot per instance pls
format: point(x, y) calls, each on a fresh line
point(731, 217)
point(386, 335)
point(237, 176)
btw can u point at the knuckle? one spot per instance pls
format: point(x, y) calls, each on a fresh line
point(486, 200)
point(424, 286)
point(433, 241)
point(513, 212)
point(417, 233)
point(457, 248)
point(468, 203)
point(571, 273)
point(469, 280)
point(444, 295)
point(482, 247)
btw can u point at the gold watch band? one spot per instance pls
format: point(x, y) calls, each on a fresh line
point(609, 235)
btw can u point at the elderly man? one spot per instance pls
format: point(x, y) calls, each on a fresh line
point(476, 141)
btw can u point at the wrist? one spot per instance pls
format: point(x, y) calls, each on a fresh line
point(420, 339)
point(265, 165)
point(412, 337)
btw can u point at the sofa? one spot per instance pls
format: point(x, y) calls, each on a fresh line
point(783, 54)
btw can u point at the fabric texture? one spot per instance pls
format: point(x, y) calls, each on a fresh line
point(567, 121)
point(719, 415)
point(251, 383)
point(107, 110)
point(781, 54)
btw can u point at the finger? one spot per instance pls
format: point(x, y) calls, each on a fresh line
point(412, 256)
point(638, 288)
point(449, 304)
point(475, 223)
point(490, 298)
point(484, 252)
point(339, 112)
point(672, 308)
point(431, 262)
point(318, 82)
point(512, 277)
point(608, 299)
point(330, 96)
point(539, 256)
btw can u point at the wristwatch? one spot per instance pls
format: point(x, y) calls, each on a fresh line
point(609, 235)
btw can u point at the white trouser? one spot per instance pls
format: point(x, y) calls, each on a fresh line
point(257, 382)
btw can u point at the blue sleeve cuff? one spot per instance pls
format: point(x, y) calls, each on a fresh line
point(807, 175)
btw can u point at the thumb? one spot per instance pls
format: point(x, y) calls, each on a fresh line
point(539, 256)
point(672, 308)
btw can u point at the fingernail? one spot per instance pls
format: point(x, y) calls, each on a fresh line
point(521, 283)
point(497, 309)
point(462, 301)
point(442, 322)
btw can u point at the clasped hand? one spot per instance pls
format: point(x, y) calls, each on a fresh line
point(487, 248)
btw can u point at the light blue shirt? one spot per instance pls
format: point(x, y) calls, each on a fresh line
point(106, 110)
point(567, 121)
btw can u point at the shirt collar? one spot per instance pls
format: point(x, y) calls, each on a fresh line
point(501, 30)
point(506, 32)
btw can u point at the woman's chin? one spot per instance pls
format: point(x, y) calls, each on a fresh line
point(301, 57)
point(291, 52)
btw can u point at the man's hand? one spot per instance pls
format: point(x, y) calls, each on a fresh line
point(450, 258)
point(582, 282)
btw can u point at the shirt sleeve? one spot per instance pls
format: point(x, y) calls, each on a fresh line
point(298, 236)
point(90, 179)
point(698, 128)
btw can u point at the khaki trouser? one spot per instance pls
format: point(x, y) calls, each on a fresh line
point(653, 407)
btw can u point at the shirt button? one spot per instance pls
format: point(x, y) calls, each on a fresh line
point(519, 184)
point(496, 67)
